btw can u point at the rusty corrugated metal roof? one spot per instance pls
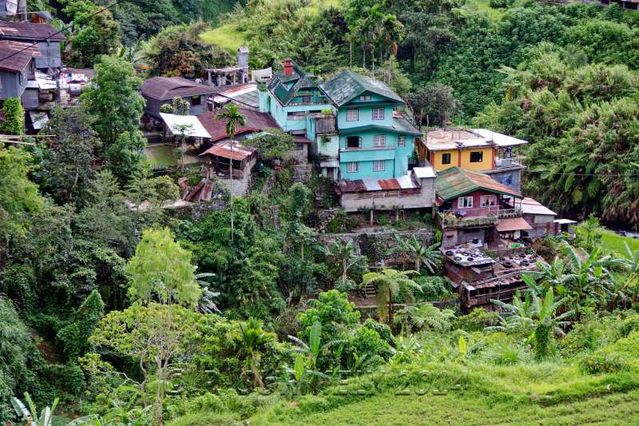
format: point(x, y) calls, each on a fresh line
point(230, 150)
point(16, 56)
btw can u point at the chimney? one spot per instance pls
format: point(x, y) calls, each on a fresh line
point(243, 57)
point(288, 66)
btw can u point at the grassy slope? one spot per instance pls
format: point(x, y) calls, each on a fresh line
point(458, 409)
point(228, 36)
point(615, 242)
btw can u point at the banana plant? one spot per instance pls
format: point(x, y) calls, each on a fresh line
point(30, 415)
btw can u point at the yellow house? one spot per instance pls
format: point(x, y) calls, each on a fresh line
point(468, 150)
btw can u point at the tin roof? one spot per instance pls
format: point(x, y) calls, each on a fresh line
point(167, 88)
point(16, 56)
point(255, 122)
point(189, 125)
point(368, 184)
point(299, 79)
point(447, 139)
point(347, 85)
point(513, 224)
point(455, 182)
point(29, 31)
point(534, 207)
point(229, 149)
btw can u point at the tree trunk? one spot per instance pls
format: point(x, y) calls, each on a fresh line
point(231, 189)
point(390, 308)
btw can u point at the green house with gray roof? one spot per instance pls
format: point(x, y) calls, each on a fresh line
point(375, 140)
point(292, 97)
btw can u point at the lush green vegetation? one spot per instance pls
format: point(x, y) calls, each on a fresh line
point(132, 313)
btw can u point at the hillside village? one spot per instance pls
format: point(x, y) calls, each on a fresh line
point(243, 216)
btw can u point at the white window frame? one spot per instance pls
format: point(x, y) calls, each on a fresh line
point(488, 201)
point(352, 167)
point(379, 141)
point(379, 165)
point(401, 141)
point(465, 202)
point(352, 114)
point(376, 115)
point(365, 98)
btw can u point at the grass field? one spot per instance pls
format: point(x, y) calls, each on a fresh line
point(456, 409)
point(226, 36)
point(160, 156)
point(615, 242)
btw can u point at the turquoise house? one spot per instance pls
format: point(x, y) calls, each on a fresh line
point(374, 140)
point(293, 97)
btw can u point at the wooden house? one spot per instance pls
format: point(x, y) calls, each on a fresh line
point(47, 39)
point(17, 68)
point(473, 207)
point(158, 91)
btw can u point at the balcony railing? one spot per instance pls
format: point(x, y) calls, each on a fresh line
point(474, 218)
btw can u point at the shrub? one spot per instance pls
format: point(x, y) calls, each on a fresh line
point(603, 363)
point(477, 320)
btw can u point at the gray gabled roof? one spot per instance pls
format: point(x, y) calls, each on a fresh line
point(347, 85)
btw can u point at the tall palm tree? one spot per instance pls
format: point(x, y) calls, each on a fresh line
point(391, 283)
point(540, 314)
point(252, 338)
point(234, 118)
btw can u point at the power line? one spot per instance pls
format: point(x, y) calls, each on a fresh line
point(60, 31)
point(585, 174)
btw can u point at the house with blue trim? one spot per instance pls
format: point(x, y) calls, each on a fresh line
point(375, 140)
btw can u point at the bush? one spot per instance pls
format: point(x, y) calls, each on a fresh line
point(433, 288)
point(603, 363)
point(477, 320)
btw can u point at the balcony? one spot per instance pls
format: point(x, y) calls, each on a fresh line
point(475, 218)
point(511, 162)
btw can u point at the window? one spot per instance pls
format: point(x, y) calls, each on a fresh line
point(378, 113)
point(365, 98)
point(379, 165)
point(353, 167)
point(299, 147)
point(446, 159)
point(476, 157)
point(196, 100)
point(306, 99)
point(296, 116)
point(352, 142)
point(401, 140)
point(352, 114)
point(465, 202)
point(488, 200)
point(380, 140)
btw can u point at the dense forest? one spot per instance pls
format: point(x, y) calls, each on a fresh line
point(125, 312)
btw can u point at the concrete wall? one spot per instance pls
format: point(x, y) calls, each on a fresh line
point(542, 225)
point(461, 158)
point(423, 197)
point(30, 99)
point(508, 177)
point(298, 156)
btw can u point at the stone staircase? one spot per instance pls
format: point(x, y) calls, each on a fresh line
point(325, 218)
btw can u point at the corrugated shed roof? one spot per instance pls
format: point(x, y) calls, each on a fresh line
point(15, 56)
point(255, 122)
point(513, 224)
point(455, 182)
point(367, 185)
point(229, 149)
point(347, 85)
point(534, 207)
point(167, 88)
point(28, 31)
